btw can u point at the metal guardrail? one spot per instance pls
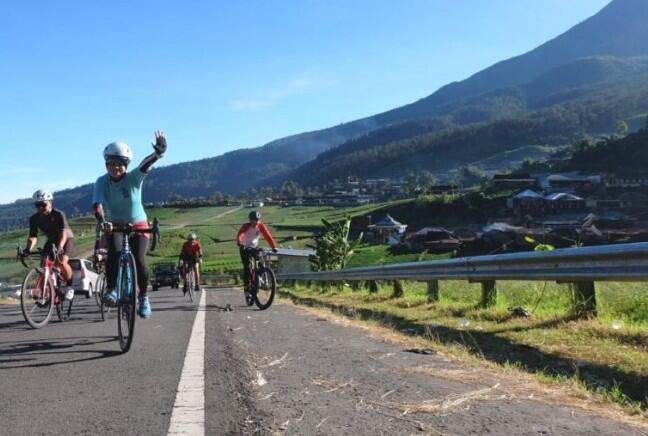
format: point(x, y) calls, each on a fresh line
point(623, 262)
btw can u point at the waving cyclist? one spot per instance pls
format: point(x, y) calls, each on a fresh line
point(120, 192)
point(52, 222)
point(247, 238)
point(191, 257)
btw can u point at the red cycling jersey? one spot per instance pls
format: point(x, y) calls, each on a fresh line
point(191, 249)
point(248, 235)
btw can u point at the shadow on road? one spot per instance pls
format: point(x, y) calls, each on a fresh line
point(43, 352)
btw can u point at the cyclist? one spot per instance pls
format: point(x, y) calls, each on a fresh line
point(120, 192)
point(53, 223)
point(190, 257)
point(248, 237)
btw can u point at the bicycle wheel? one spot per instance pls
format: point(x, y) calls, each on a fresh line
point(126, 309)
point(191, 282)
point(266, 285)
point(36, 299)
point(99, 289)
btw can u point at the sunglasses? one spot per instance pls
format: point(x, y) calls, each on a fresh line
point(115, 163)
point(40, 204)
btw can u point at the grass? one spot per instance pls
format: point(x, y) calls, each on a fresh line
point(607, 356)
point(379, 254)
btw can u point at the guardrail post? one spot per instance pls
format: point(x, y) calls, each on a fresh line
point(433, 291)
point(236, 279)
point(398, 289)
point(372, 286)
point(584, 299)
point(489, 293)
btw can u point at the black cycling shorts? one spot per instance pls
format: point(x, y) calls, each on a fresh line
point(68, 248)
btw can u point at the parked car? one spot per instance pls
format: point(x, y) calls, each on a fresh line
point(165, 274)
point(84, 277)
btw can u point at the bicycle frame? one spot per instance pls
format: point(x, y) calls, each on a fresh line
point(122, 265)
point(257, 258)
point(49, 273)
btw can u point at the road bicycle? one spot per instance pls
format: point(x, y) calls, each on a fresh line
point(263, 283)
point(126, 287)
point(189, 276)
point(41, 289)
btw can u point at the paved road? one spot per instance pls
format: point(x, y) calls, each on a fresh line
point(281, 371)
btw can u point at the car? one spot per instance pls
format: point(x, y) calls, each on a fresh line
point(165, 274)
point(84, 276)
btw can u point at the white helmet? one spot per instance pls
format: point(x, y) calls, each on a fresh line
point(119, 151)
point(42, 195)
point(191, 236)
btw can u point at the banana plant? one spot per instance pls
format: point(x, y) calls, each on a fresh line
point(333, 249)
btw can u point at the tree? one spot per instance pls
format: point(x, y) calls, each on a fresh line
point(333, 249)
point(217, 197)
point(470, 175)
point(621, 128)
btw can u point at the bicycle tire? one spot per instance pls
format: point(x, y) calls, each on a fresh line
point(264, 288)
point(191, 280)
point(36, 296)
point(99, 295)
point(127, 306)
point(101, 277)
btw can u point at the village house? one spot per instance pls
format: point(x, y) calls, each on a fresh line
point(514, 181)
point(386, 231)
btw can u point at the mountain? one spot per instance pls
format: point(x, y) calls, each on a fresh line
point(563, 74)
point(590, 97)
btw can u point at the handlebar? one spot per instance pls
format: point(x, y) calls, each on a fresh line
point(128, 229)
point(22, 254)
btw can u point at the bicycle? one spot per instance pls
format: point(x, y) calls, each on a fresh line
point(126, 287)
point(263, 282)
point(40, 292)
point(189, 277)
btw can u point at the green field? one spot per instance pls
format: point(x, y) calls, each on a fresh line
point(216, 228)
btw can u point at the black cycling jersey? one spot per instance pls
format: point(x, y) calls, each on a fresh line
point(51, 224)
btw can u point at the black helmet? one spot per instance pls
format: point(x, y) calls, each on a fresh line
point(254, 215)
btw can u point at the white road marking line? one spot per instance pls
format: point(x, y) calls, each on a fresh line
point(188, 415)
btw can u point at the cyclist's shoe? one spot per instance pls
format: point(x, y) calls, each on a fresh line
point(248, 298)
point(144, 309)
point(110, 298)
point(67, 292)
point(197, 288)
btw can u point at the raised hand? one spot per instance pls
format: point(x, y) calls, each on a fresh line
point(160, 144)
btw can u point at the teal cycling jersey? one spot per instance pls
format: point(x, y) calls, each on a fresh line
point(122, 200)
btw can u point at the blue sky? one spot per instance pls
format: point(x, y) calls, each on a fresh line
point(222, 75)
